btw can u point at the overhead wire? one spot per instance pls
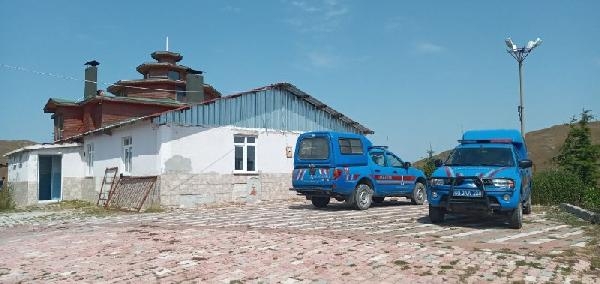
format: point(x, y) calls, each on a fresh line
point(65, 77)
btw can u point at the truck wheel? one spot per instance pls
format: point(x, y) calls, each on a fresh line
point(363, 196)
point(516, 218)
point(320, 201)
point(418, 194)
point(527, 206)
point(378, 199)
point(436, 214)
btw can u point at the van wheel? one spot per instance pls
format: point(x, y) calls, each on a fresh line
point(527, 206)
point(320, 201)
point(516, 218)
point(363, 196)
point(418, 195)
point(436, 214)
point(378, 199)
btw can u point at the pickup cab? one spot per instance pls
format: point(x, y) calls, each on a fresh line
point(347, 167)
point(489, 171)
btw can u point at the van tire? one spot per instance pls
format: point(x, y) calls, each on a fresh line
point(418, 194)
point(527, 205)
point(320, 201)
point(436, 214)
point(362, 196)
point(516, 218)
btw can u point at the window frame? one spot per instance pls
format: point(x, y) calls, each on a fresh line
point(127, 160)
point(350, 140)
point(89, 148)
point(244, 145)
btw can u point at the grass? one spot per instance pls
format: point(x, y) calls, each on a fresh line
point(6, 199)
point(468, 273)
point(530, 264)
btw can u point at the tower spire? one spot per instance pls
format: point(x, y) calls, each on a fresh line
point(167, 47)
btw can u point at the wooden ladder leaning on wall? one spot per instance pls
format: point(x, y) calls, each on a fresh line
point(108, 183)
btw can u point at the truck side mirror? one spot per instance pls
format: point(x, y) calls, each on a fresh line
point(407, 165)
point(523, 164)
point(438, 163)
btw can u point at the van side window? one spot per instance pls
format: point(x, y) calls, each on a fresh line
point(350, 146)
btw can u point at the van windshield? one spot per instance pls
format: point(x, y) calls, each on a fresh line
point(480, 156)
point(315, 148)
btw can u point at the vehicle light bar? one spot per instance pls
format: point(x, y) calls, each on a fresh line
point(472, 141)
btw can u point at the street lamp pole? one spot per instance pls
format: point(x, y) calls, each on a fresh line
point(519, 54)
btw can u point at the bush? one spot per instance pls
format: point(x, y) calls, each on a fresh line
point(6, 198)
point(555, 186)
point(591, 198)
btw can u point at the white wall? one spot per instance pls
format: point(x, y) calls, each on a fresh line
point(211, 150)
point(72, 164)
point(18, 167)
point(108, 150)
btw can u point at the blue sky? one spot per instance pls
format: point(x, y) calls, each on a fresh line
point(416, 72)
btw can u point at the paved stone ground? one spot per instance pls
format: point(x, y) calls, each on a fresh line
point(289, 242)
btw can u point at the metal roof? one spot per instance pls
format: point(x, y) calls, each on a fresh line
point(278, 86)
point(42, 146)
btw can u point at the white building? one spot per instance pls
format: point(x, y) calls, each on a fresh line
point(238, 148)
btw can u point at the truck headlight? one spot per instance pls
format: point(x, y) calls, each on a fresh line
point(437, 181)
point(503, 182)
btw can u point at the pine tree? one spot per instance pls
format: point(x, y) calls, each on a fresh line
point(578, 155)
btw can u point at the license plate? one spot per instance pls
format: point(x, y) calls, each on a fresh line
point(467, 193)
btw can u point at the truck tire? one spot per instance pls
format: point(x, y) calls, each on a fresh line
point(516, 218)
point(418, 194)
point(527, 206)
point(320, 201)
point(378, 199)
point(362, 196)
point(436, 214)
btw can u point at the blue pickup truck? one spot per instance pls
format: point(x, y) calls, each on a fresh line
point(489, 171)
point(347, 167)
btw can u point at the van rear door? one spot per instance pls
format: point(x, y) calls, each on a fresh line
point(313, 161)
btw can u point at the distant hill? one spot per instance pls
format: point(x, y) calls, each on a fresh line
point(542, 144)
point(7, 146)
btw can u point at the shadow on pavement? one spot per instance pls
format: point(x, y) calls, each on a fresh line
point(339, 206)
point(469, 221)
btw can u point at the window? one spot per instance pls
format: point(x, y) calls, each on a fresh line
point(173, 75)
point(394, 161)
point(181, 94)
point(245, 153)
point(316, 148)
point(127, 154)
point(479, 156)
point(90, 159)
point(59, 122)
point(350, 146)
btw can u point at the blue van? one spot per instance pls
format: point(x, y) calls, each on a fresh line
point(347, 167)
point(488, 171)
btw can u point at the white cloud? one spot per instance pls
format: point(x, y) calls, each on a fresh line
point(317, 16)
point(321, 59)
point(428, 47)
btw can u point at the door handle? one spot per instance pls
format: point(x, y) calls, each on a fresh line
point(395, 172)
point(377, 171)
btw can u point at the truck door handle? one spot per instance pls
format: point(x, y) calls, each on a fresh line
point(395, 172)
point(377, 171)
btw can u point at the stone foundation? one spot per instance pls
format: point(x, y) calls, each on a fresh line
point(79, 189)
point(192, 190)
